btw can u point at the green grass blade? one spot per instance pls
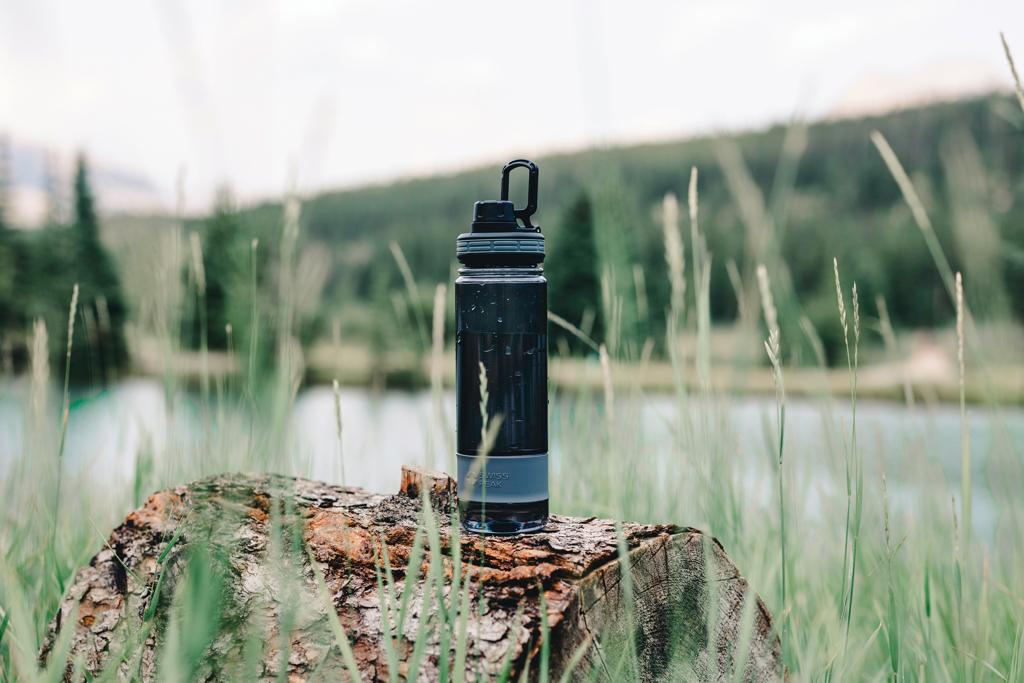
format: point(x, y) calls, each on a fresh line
point(506, 665)
point(386, 600)
point(545, 635)
point(574, 661)
point(459, 672)
point(412, 574)
point(340, 637)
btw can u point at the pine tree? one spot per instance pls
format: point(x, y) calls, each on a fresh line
point(86, 223)
point(7, 262)
point(573, 280)
point(226, 271)
point(101, 301)
point(8, 266)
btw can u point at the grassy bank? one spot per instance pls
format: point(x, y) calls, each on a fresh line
point(877, 585)
point(870, 560)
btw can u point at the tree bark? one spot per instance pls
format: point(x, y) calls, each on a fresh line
point(679, 615)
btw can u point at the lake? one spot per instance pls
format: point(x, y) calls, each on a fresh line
point(382, 431)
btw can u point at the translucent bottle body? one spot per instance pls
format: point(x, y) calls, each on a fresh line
point(501, 393)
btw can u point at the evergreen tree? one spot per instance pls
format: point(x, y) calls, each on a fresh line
point(7, 249)
point(8, 271)
point(226, 270)
point(86, 223)
point(573, 279)
point(6, 261)
point(101, 303)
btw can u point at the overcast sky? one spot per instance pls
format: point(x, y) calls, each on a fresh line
point(353, 92)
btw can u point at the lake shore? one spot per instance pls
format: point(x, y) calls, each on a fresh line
point(921, 378)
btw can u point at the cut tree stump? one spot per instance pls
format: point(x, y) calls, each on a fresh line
point(682, 607)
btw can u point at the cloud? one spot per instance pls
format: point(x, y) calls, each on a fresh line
point(364, 91)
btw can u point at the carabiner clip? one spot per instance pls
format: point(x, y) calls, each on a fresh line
point(531, 199)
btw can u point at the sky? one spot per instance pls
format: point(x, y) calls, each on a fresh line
point(260, 95)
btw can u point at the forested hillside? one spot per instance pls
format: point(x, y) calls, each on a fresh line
point(790, 196)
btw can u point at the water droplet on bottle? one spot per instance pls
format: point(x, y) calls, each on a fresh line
point(499, 318)
point(508, 350)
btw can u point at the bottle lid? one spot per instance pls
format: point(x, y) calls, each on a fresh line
point(496, 238)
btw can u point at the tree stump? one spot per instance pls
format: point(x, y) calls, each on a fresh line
point(679, 615)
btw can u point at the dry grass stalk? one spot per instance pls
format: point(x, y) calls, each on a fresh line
point(917, 209)
point(573, 330)
point(40, 362)
point(771, 316)
point(337, 427)
point(840, 301)
point(892, 346)
point(411, 287)
point(197, 262)
point(72, 309)
point(606, 379)
point(965, 434)
point(772, 347)
point(674, 254)
point(437, 337)
point(1013, 70)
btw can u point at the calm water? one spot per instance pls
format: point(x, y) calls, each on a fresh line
point(381, 432)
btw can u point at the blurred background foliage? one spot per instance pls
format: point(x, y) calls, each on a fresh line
point(40, 271)
point(838, 201)
point(791, 196)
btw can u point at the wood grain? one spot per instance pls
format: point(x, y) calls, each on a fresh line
point(675, 615)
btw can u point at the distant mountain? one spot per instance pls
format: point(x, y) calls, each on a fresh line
point(882, 90)
point(38, 185)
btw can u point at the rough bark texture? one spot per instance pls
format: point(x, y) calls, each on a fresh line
point(683, 605)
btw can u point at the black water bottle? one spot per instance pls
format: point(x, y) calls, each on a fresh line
point(501, 366)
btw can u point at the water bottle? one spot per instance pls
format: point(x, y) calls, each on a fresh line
point(501, 366)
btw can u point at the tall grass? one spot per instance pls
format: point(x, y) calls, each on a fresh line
point(773, 348)
point(199, 278)
point(1013, 70)
point(965, 435)
point(337, 427)
point(693, 485)
point(870, 572)
point(674, 254)
point(854, 467)
point(64, 413)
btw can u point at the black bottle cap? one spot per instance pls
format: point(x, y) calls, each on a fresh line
point(496, 238)
point(494, 216)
